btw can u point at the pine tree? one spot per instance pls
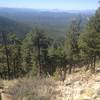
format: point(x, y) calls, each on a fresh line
point(89, 41)
point(71, 43)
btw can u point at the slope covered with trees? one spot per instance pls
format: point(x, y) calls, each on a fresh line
point(11, 26)
point(38, 54)
point(54, 23)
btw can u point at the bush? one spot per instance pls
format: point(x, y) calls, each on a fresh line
point(56, 75)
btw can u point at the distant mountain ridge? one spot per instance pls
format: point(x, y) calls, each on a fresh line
point(48, 10)
point(92, 11)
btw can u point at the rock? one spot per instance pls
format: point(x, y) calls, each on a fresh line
point(86, 98)
point(97, 79)
point(98, 91)
point(67, 84)
point(94, 96)
point(97, 98)
point(81, 91)
point(86, 94)
point(76, 97)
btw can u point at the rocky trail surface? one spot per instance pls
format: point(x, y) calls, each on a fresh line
point(80, 87)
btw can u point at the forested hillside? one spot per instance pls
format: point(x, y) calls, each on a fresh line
point(55, 23)
point(11, 26)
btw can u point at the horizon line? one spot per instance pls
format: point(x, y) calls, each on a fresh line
point(47, 9)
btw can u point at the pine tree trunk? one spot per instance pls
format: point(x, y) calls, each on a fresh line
point(87, 66)
point(6, 51)
point(70, 69)
point(94, 64)
point(14, 69)
point(39, 63)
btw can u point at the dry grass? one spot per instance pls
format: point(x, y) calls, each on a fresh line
point(33, 89)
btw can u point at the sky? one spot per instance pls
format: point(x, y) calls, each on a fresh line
point(51, 4)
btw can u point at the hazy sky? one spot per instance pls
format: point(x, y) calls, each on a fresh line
point(51, 4)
